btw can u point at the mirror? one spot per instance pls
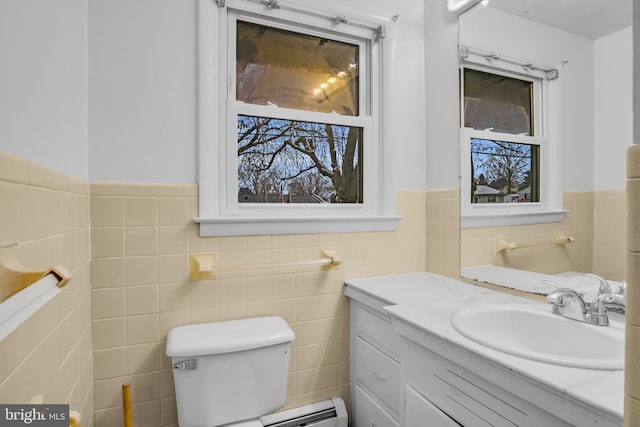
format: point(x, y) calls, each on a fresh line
point(589, 42)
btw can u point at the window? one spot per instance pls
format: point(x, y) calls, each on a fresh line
point(509, 170)
point(509, 150)
point(290, 114)
point(291, 161)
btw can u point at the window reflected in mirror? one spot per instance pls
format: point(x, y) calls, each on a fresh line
point(504, 172)
point(497, 102)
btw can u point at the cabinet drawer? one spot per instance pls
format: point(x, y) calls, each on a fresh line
point(368, 413)
point(420, 412)
point(374, 328)
point(380, 374)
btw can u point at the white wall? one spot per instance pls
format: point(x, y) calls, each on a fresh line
point(517, 38)
point(142, 68)
point(43, 83)
point(613, 108)
point(142, 85)
point(442, 95)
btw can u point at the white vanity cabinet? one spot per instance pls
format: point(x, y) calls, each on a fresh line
point(410, 368)
point(376, 389)
point(466, 398)
point(428, 390)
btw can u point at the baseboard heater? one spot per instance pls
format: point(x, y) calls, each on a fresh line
point(328, 413)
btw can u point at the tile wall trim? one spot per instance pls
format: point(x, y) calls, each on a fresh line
point(20, 171)
point(121, 189)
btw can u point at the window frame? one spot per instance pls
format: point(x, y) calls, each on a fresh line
point(220, 212)
point(547, 135)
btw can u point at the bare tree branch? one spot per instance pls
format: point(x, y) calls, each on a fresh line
point(299, 173)
point(314, 157)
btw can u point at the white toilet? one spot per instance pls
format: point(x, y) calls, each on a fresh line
point(230, 373)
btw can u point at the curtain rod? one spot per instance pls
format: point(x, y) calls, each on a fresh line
point(378, 30)
point(465, 51)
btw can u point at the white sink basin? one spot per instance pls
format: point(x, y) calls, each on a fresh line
point(537, 334)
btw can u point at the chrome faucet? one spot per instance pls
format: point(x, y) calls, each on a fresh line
point(571, 304)
point(606, 302)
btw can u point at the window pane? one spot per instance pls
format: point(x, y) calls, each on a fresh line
point(293, 70)
point(504, 172)
point(287, 161)
point(498, 102)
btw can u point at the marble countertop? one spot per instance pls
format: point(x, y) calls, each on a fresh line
point(426, 302)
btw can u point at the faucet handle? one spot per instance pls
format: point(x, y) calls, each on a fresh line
point(549, 282)
point(556, 294)
point(604, 288)
point(622, 289)
point(568, 303)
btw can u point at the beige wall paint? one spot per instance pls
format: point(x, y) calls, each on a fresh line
point(47, 214)
point(142, 236)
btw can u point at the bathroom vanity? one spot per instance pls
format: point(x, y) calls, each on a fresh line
point(411, 367)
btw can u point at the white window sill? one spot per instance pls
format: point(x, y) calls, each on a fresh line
point(246, 226)
point(506, 219)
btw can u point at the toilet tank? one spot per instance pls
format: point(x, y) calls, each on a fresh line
point(229, 371)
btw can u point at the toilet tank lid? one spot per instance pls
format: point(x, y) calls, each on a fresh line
point(226, 337)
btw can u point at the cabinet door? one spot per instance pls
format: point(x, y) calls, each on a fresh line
point(420, 412)
point(368, 413)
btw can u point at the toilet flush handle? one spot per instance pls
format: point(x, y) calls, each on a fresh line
point(186, 364)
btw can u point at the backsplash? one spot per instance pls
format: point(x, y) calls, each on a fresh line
point(142, 236)
point(48, 357)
